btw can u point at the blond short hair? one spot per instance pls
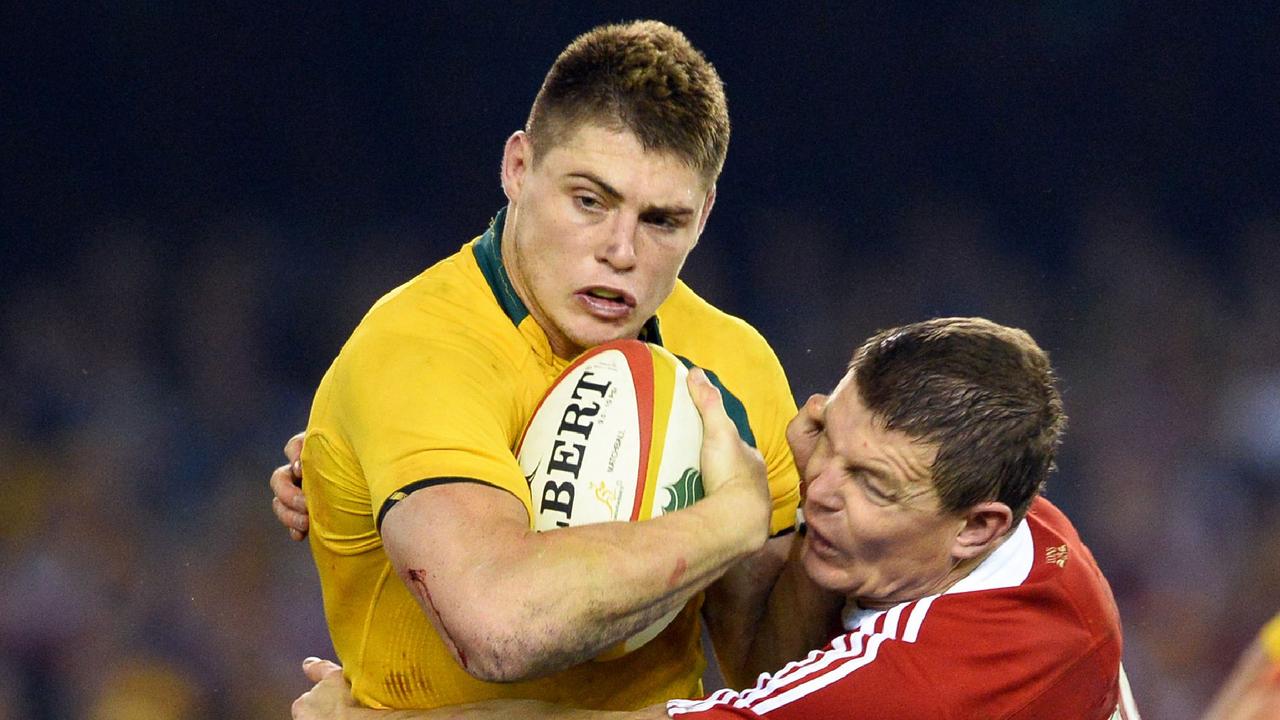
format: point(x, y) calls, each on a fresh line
point(644, 77)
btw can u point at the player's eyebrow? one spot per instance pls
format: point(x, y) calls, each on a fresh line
point(615, 195)
point(879, 472)
point(605, 187)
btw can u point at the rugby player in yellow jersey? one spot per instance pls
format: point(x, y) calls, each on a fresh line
point(436, 589)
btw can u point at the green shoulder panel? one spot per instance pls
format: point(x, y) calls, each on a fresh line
point(732, 405)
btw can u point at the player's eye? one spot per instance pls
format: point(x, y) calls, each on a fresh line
point(588, 202)
point(663, 222)
point(871, 487)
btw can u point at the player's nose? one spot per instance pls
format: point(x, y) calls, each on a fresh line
point(821, 486)
point(619, 246)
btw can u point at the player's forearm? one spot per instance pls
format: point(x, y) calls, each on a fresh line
point(735, 607)
point(565, 596)
point(799, 617)
point(765, 612)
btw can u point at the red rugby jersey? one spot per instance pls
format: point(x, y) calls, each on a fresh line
point(1032, 632)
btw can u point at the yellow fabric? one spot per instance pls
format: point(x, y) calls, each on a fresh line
point(438, 382)
point(1270, 638)
point(692, 328)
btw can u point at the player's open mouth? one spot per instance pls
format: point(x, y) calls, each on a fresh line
point(606, 303)
point(817, 543)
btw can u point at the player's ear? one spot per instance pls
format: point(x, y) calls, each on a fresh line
point(517, 158)
point(706, 209)
point(984, 525)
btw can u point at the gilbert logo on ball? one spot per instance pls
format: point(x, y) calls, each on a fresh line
point(616, 438)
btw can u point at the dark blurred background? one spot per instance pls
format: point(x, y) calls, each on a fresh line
point(200, 201)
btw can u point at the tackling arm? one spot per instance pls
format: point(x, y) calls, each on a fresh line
point(735, 607)
point(288, 502)
point(765, 612)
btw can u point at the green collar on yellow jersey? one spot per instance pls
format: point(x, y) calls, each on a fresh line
point(488, 252)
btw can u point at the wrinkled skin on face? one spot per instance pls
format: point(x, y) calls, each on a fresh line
point(877, 532)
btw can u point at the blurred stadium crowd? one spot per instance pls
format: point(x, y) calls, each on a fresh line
point(160, 346)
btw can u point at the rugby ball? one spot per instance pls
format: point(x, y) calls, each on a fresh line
point(615, 438)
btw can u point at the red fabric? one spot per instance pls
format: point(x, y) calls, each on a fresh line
point(1046, 648)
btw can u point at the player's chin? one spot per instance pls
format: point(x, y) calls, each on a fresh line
point(598, 332)
point(836, 575)
point(819, 570)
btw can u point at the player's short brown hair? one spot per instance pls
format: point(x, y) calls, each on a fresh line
point(985, 394)
point(641, 76)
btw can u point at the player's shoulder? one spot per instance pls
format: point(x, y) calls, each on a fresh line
point(436, 295)
point(695, 329)
point(1047, 606)
point(1066, 566)
point(1060, 554)
point(1033, 636)
point(446, 313)
point(1044, 515)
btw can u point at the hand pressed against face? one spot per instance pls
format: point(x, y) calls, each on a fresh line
point(597, 231)
point(876, 529)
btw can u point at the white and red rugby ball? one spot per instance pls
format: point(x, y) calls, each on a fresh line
point(616, 438)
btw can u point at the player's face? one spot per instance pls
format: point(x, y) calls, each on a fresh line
point(876, 530)
point(598, 229)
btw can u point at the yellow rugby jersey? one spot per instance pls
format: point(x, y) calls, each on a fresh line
point(436, 383)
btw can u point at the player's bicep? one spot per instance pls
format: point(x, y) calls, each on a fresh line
point(446, 539)
point(443, 414)
point(448, 529)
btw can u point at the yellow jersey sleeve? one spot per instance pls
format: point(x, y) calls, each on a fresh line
point(775, 412)
point(419, 409)
point(746, 368)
